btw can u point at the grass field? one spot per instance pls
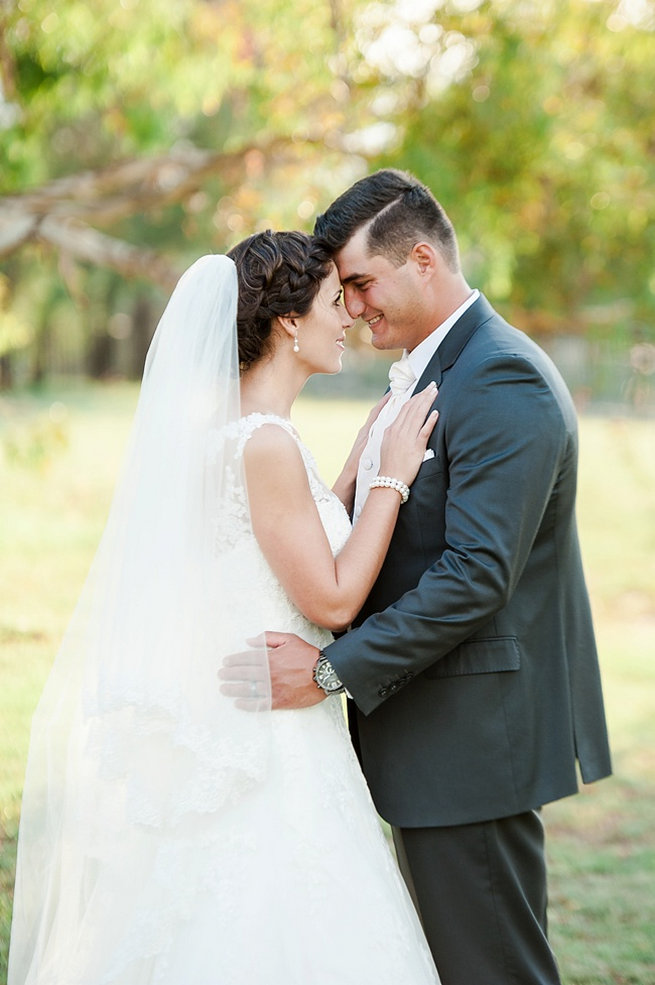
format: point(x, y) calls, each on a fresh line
point(59, 455)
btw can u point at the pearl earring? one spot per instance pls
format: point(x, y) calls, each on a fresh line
point(296, 347)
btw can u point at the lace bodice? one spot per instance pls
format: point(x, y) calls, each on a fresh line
point(232, 529)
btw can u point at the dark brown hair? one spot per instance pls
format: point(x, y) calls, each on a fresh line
point(401, 212)
point(278, 273)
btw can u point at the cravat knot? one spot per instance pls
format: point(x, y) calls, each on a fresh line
point(401, 376)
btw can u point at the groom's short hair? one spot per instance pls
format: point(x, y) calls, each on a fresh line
point(399, 212)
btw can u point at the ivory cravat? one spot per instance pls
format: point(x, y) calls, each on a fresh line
point(401, 376)
point(402, 388)
point(402, 381)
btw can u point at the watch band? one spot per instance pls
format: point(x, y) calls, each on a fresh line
point(326, 677)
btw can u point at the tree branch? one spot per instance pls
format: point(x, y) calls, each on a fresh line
point(65, 212)
point(78, 240)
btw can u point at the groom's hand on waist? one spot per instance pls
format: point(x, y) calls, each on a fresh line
point(291, 663)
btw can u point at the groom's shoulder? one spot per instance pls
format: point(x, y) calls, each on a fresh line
point(497, 349)
point(495, 335)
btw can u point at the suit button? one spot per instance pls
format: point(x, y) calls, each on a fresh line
point(367, 463)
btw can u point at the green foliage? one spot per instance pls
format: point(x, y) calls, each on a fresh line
point(98, 83)
point(530, 119)
point(542, 152)
point(33, 446)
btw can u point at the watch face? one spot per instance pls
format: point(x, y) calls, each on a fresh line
point(326, 676)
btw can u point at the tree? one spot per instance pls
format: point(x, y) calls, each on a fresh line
point(140, 133)
point(136, 106)
point(137, 134)
point(540, 144)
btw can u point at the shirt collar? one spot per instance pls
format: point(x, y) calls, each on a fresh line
point(423, 353)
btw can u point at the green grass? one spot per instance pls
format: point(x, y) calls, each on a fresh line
point(59, 455)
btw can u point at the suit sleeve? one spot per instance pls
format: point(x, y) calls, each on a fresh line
point(509, 439)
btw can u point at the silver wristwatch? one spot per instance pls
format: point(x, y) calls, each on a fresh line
point(325, 676)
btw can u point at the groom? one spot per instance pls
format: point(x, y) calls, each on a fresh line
point(472, 667)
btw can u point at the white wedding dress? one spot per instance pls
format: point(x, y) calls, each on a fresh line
point(309, 892)
point(167, 836)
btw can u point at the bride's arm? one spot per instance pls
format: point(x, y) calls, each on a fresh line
point(329, 591)
point(344, 487)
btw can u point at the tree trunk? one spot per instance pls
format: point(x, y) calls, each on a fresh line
point(41, 349)
point(6, 372)
point(143, 327)
point(100, 362)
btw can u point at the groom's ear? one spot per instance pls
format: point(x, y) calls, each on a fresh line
point(425, 257)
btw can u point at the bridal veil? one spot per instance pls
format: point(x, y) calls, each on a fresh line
point(133, 747)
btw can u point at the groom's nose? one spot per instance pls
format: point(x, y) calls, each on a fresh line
point(353, 302)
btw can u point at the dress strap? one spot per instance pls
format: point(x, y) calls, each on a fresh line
point(249, 424)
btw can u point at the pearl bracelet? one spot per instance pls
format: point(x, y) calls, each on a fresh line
point(386, 482)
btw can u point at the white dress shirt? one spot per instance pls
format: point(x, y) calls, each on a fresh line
point(418, 359)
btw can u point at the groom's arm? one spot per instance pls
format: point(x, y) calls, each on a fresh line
point(509, 441)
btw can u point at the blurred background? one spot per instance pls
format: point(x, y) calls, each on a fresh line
point(136, 135)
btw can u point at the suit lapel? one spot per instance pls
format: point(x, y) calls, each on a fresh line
point(449, 350)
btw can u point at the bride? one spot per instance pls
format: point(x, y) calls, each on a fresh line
point(167, 835)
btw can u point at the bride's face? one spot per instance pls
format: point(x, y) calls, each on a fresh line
point(322, 331)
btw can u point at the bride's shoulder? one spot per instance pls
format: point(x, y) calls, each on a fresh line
point(270, 438)
point(260, 430)
point(267, 429)
point(275, 465)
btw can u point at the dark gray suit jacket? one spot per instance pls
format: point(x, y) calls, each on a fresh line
point(474, 666)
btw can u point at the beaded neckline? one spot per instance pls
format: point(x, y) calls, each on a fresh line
point(258, 415)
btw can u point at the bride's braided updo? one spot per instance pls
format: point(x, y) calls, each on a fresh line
point(279, 273)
